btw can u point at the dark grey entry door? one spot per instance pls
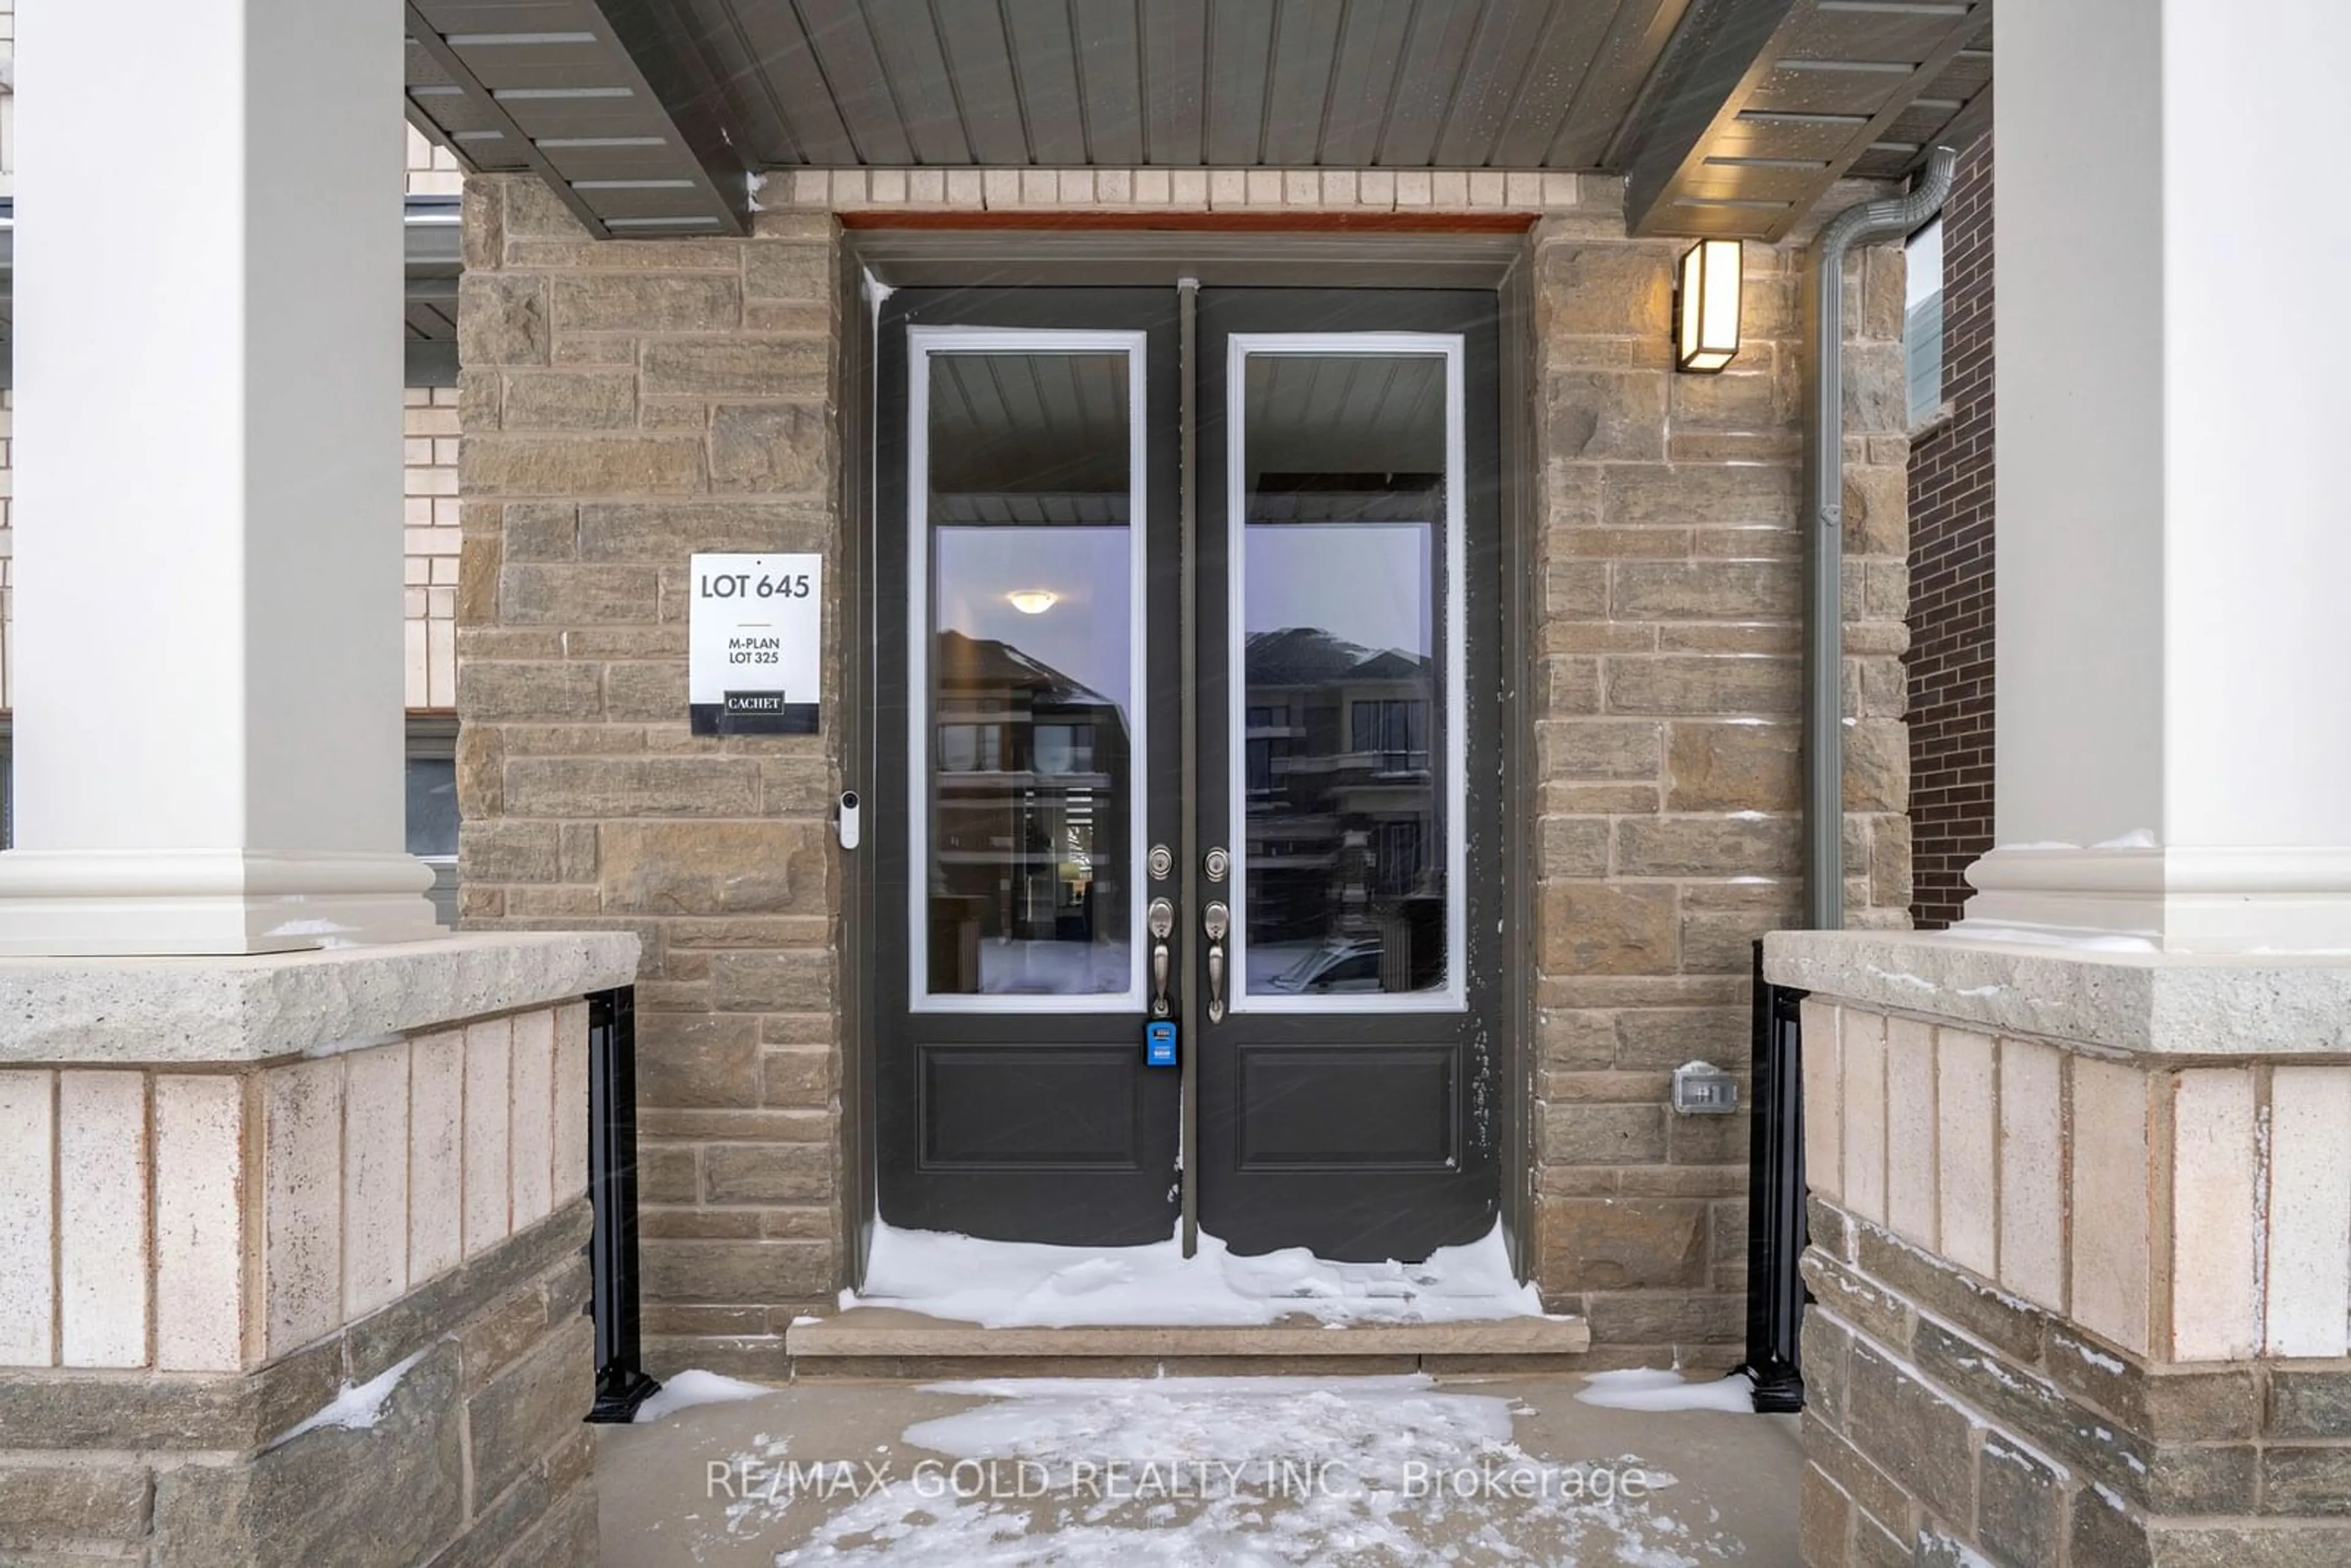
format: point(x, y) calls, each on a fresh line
point(1296, 870)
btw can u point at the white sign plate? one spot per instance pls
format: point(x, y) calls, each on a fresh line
point(755, 643)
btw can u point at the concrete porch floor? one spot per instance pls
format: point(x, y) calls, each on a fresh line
point(1198, 1471)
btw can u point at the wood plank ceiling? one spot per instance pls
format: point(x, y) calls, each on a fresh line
point(1730, 116)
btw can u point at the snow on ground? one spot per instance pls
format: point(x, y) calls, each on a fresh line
point(694, 1388)
point(1644, 1389)
point(1021, 1284)
point(1250, 1472)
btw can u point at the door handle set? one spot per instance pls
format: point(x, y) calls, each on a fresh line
point(1162, 916)
point(1215, 921)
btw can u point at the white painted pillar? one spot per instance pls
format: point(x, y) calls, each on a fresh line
point(2174, 504)
point(208, 694)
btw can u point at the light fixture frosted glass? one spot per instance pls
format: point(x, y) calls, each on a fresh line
point(1706, 306)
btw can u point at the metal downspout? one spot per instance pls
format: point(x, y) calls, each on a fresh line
point(1824, 511)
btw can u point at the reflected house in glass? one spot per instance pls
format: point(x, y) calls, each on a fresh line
point(1027, 763)
point(1344, 823)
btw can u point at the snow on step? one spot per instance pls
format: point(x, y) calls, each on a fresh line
point(1020, 1284)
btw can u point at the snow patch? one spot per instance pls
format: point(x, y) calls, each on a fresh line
point(1023, 1285)
point(1652, 1389)
point(692, 1387)
point(2136, 838)
point(1243, 1472)
point(359, 1406)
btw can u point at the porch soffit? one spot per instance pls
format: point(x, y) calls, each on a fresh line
point(1727, 117)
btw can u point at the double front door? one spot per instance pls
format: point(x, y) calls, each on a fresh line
point(1187, 707)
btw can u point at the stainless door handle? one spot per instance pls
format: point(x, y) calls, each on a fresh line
point(1215, 920)
point(1161, 917)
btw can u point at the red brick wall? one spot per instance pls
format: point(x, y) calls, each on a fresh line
point(1950, 660)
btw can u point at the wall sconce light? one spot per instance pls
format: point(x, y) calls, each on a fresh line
point(1033, 601)
point(1706, 306)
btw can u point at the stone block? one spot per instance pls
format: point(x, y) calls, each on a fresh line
point(1823, 1521)
point(530, 1164)
point(501, 320)
point(667, 532)
point(1604, 415)
point(1592, 1134)
point(1594, 748)
point(1861, 1044)
point(739, 366)
point(2309, 1240)
point(1703, 494)
point(89, 1501)
point(488, 1144)
point(384, 1496)
point(2214, 1266)
point(1617, 928)
point(1876, 509)
point(1706, 846)
point(1854, 1299)
point(770, 448)
point(1675, 685)
point(2103, 1532)
point(646, 302)
point(714, 867)
point(697, 1058)
point(1706, 591)
point(532, 1407)
point(567, 400)
point(2113, 1211)
point(1911, 1122)
point(1605, 291)
point(2310, 1403)
point(758, 1272)
point(436, 1152)
point(767, 1173)
point(570, 595)
point(785, 271)
point(787, 981)
point(375, 1176)
point(1921, 1438)
point(1873, 1491)
point(598, 787)
point(1661, 1039)
point(1572, 847)
point(618, 465)
point(430, 1310)
point(532, 691)
point(1990, 1314)
point(503, 849)
point(28, 1221)
point(102, 1175)
point(1824, 1100)
point(301, 1201)
point(1598, 1244)
point(2021, 1503)
point(2032, 1172)
point(200, 1231)
point(538, 530)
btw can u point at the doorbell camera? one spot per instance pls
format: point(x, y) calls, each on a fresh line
point(849, 819)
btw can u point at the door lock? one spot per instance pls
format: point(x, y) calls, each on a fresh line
point(1216, 864)
point(1162, 863)
point(1162, 917)
point(1215, 921)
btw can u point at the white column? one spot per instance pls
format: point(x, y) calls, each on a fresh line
point(2174, 504)
point(208, 694)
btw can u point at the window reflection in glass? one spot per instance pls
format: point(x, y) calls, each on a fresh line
point(1028, 787)
point(1342, 757)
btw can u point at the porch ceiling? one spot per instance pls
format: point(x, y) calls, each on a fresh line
point(1729, 117)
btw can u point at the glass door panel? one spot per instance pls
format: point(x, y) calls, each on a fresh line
point(1027, 630)
point(1347, 773)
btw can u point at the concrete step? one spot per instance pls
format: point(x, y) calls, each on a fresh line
point(890, 1341)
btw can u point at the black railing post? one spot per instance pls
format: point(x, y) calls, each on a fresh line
point(1775, 1197)
point(621, 1382)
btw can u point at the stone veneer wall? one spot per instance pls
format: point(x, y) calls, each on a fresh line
point(2073, 1307)
point(197, 1261)
point(628, 403)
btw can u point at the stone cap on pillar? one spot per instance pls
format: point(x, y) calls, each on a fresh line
point(123, 1012)
point(2159, 1004)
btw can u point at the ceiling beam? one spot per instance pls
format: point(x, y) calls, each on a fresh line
point(591, 99)
point(1764, 104)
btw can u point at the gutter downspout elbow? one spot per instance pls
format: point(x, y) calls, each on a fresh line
point(1824, 514)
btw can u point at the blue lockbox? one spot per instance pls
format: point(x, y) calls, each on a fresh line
point(1159, 1044)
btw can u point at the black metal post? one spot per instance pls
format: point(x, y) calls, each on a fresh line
point(1775, 1197)
point(621, 1382)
